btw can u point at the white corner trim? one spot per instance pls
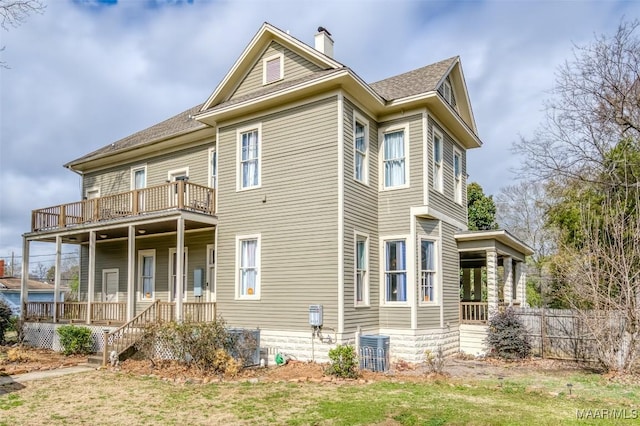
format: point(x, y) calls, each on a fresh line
point(340, 213)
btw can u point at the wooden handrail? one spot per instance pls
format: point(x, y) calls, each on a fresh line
point(124, 337)
point(172, 195)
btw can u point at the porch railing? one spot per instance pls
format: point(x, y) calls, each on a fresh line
point(172, 195)
point(101, 312)
point(474, 312)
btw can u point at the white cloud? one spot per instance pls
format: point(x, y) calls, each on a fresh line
point(84, 75)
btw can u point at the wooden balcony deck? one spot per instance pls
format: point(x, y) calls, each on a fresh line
point(170, 196)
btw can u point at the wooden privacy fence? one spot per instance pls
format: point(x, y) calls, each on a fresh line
point(557, 333)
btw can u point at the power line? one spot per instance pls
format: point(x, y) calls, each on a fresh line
point(40, 255)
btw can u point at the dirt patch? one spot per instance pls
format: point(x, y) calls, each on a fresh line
point(297, 371)
point(20, 360)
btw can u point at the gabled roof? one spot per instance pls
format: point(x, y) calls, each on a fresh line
point(252, 52)
point(421, 80)
point(171, 127)
point(415, 88)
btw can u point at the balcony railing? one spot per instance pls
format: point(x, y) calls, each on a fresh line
point(173, 195)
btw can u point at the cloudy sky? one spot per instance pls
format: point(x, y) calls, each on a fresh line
point(86, 73)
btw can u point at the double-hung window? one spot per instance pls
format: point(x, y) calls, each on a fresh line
point(362, 270)
point(457, 176)
point(394, 157)
point(437, 161)
point(395, 271)
point(249, 146)
point(146, 273)
point(361, 148)
point(427, 270)
point(248, 261)
point(173, 267)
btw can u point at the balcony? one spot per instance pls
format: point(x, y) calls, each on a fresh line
point(178, 195)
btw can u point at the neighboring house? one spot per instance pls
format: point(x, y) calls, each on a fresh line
point(38, 292)
point(295, 184)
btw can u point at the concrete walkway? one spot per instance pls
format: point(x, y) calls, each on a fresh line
point(45, 374)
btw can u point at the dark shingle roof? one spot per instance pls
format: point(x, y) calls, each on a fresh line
point(173, 126)
point(413, 82)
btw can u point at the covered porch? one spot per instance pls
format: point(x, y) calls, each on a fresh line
point(133, 249)
point(493, 276)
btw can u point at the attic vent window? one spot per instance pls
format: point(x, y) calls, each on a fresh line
point(447, 93)
point(273, 69)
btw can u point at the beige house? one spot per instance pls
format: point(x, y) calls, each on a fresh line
point(296, 194)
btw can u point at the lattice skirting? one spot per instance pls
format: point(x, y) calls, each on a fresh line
point(44, 335)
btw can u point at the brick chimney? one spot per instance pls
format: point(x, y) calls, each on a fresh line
point(324, 42)
point(1, 268)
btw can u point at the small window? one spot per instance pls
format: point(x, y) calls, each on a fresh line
point(427, 270)
point(362, 270)
point(437, 161)
point(249, 146)
point(213, 168)
point(447, 93)
point(361, 150)
point(146, 274)
point(273, 68)
point(248, 261)
point(395, 272)
point(394, 159)
point(457, 176)
point(173, 267)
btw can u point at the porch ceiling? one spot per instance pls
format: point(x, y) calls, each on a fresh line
point(150, 224)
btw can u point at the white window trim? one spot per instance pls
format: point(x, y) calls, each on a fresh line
point(407, 161)
point(446, 87)
point(172, 251)
point(240, 238)
point(92, 189)
point(264, 68)
point(210, 168)
point(457, 184)
point(437, 282)
point(133, 175)
point(104, 284)
point(382, 260)
point(141, 254)
point(239, 132)
point(438, 172)
point(172, 173)
point(366, 284)
point(359, 118)
point(211, 286)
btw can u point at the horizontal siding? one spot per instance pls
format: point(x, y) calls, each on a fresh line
point(394, 205)
point(118, 179)
point(451, 275)
point(295, 211)
point(395, 317)
point(428, 315)
point(444, 202)
point(295, 66)
point(360, 215)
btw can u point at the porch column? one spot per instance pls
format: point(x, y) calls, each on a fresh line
point(477, 284)
point(507, 264)
point(58, 277)
point(492, 282)
point(466, 284)
point(521, 283)
point(131, 273)
point(24, 289)
point(179, 267)
point(91, 271)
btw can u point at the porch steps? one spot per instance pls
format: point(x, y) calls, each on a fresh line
point(94, 359)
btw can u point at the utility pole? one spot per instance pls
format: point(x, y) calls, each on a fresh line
point(12, 263)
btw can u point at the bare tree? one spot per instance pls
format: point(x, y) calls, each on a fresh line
point(596, 103)
point(14, 13)
point(587, 154)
